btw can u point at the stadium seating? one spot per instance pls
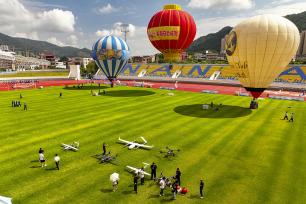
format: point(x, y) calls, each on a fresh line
point(293, 73)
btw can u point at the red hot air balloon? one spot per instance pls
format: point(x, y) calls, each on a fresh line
point(171, 31)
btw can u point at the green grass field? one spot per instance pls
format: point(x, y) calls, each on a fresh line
point(35, 74)
point(243, 156)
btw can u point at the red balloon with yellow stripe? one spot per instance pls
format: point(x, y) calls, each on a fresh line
point(171, 31)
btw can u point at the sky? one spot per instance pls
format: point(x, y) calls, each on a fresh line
point(79, 23)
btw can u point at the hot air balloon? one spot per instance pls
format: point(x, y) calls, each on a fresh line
point(171, 31)
point(260, 48)
point(111, 54)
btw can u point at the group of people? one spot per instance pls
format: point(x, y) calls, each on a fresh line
point(18, 104)
point(286, 117)
point(42, 159)
point(163, 182)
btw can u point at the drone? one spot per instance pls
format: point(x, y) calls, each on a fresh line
point(106, 158)
point(169, 152)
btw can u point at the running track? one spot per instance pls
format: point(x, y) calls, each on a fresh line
point(228, 90)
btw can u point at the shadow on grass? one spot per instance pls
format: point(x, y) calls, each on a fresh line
point(35, 161)
point(75, 87)
point(128, 93)
point(106, 190)
point(194, 196)
point(51, 169)
point(34, 167)
point(224, 111)
point(128, 192)
point(153, 196)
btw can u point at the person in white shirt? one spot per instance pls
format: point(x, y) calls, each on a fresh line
point(162, 185)
point(141, 176)
point(42, 160)
point(57, 160)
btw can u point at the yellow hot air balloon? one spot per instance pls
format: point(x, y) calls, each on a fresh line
point(260, 48)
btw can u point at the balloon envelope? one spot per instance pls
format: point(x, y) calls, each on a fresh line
point(260, 48)
point(171, 31)
point(111, 54)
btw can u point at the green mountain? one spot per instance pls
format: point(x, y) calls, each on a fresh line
point(212, 41)
point(36, 47)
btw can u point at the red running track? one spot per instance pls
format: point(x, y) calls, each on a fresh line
point(228, 90)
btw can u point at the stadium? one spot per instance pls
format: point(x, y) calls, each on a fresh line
point(175, 131)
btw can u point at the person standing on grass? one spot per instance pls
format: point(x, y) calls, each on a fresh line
point(286, 116)
point(20, 96)
point(25, 107)
point(42, 160)
point(61, 94)
point(57, 160)
point(291, 117)
point(201, 188)
point(104, 148)
point(162, 185)
point(135, 183)
point(178, 176)
point(174, 190)
point(153, 170)
point(141, 176)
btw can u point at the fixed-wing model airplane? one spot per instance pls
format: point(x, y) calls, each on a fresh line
point(135, 145)
point(137, 170)
point(74, 146)
point(107, 158)
point(169, 152)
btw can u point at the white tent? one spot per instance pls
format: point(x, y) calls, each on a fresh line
point(5, 200)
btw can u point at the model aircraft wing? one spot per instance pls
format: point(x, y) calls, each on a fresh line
point(124, 141)
point(144, 146)
point(147, 173)
point(144, 140)
point(132, 168)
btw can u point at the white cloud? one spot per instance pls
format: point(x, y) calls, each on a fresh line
point(221, 4)
point(55, 41)
point(283, 9)
point(107, 9)
point(102, 33)
point(16, 18)
point(72, 40)
point(56, 20)
point(117, 30)
point(31, 35)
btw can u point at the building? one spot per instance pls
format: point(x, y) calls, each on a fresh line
point(199, 56)
point(222, 49)
point(301, 52)
point(7, 60)
point(60, 65)
point(46, 55)
point(143, 59)
point(86, 61)
point(23, 63)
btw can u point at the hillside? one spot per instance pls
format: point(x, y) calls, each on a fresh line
point(212, 41)
point(36, 47)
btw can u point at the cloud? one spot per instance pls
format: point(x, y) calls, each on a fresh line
point(55, 41)
point(31, 35)
point(221, 4)
point(107, 9)
point(117, 30)
point(282, 9)
point(72, 40)
point(16, 18)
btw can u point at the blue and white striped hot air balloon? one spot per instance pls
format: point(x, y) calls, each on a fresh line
point(111, 54)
